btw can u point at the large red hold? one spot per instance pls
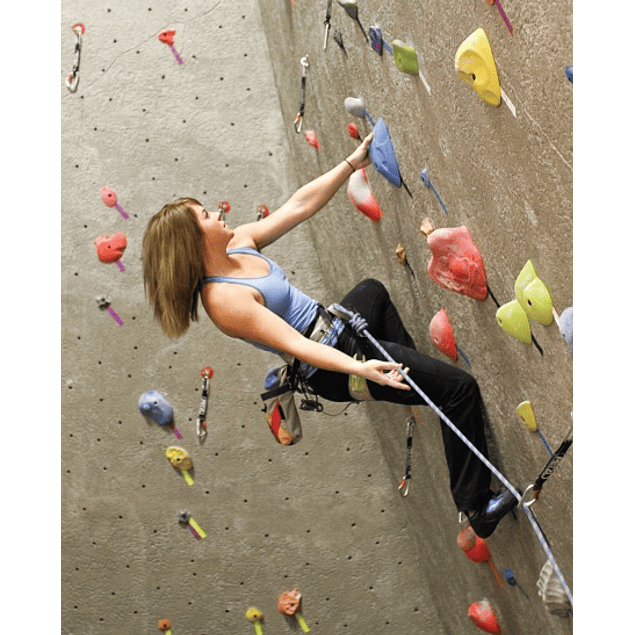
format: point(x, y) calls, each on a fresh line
point(482, 614)
point(456, 262)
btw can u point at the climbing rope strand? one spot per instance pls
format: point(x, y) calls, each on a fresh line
point(360, 326)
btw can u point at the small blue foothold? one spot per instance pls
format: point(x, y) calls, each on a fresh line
point(569, 73)
point(153, 405)
point(566, 327)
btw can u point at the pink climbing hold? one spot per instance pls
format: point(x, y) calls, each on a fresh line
point(482, 614)
point(311, 137)
point(110, 248)
point(359, 193)
point(442, 334)
point(456, 262)
point(110, 198)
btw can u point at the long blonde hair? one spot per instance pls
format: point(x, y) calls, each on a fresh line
point(173, 265)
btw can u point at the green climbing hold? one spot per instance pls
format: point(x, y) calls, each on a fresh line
point(533, 295)
point(513, 320)
point(405, 58)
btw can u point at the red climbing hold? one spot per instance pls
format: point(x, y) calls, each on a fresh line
point(482, 614)
point(360, 195)
point(353, 130)
point(456, 262)
point(110, 248)
point(442, 334)
point(167, 36)
point(311, 137)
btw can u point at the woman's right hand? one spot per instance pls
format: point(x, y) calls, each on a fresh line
point(384, 373)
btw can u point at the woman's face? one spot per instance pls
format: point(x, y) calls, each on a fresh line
point(212, 224)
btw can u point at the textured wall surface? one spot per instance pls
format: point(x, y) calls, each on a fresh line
point(325, 515)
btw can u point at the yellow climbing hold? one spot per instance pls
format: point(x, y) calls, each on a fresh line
point(255, 616)
point(513, 320)
point(474, 63)
point(533, 295)
point(526, 412)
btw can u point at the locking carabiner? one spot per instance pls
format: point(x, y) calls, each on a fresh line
point(73, 79)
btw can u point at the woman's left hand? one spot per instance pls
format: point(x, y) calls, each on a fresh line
point(359, 158)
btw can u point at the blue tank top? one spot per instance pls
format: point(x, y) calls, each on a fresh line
point(295, 307)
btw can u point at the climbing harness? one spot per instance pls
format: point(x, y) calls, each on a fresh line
point(201, 425)
point(73, 79)
point(404, 486)
point(357, 322)
point(298, 118)
point(327, 23)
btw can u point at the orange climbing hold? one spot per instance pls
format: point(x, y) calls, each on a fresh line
point(482, 614)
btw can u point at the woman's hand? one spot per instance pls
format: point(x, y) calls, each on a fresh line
point(359, 158)
point(384, 373)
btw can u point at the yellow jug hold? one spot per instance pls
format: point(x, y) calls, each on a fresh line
point(533, 295)
point(474, 63)
point(513, 320)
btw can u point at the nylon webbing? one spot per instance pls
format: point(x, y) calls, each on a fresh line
point(360, 325)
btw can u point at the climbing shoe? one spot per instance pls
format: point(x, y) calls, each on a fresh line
point(485, 520)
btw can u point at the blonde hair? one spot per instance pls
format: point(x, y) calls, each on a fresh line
point(173, 265)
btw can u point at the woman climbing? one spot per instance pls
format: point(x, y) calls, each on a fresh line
point(188, 251)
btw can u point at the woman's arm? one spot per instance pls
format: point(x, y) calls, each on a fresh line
point(237, 313)
point(308, 200)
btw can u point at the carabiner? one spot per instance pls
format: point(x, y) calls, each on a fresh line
point(73, 79)
point(201, 425)
point(526, 499)
point(297, 124)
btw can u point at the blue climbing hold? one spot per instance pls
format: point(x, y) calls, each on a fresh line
point(153, 405)
point(566, 327)
point(569, 73)
point(382, 154)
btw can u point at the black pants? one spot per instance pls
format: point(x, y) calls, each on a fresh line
point(454, 391)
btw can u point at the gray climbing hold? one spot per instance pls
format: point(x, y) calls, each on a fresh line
point(153, 405)
point(566, 327)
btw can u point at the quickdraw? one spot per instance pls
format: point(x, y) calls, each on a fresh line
point(73, 79)
point(298, 118)
point(404, 486)
point(201, 425)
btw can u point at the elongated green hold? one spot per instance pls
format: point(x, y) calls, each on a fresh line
point(405, 58)
point(513, 320)
point(533, 295)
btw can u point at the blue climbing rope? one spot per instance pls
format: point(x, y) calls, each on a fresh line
point(360, 325)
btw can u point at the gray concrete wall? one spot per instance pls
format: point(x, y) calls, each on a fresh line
point(324, 516)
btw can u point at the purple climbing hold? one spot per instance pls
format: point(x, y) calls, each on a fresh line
point(153, 405)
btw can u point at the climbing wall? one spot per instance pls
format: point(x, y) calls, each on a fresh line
point(209, 112)
point(506, 173)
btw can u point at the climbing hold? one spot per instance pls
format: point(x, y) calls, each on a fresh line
point(262, 211)
point(153, 405)
point(456, 262)
point(377, 41)
point(503, 14)
point(426, 181)
point(339, 40)
point(255, 617)
point(360, 195)
point(110, 198)
point(511, 580)
point(166, 626)
point(181, 460)
point(569, 73)
point(405, 58)
point(526, 413)
point(311, 137)
point(513, 320)
point(104, 303)
point(474, 63)
point(442, 334)
point(475, 548)
point(482, 614)
point(110, 248)
point(566, 327)
point(350, 6)
point(400, 252)
point(551, 591)
point(223, 208)
point(353, 131)
point(382, 154)
point(289, 603)
point(357, 108)
point(185, 518)
point(167, 37)
point(533, 296)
